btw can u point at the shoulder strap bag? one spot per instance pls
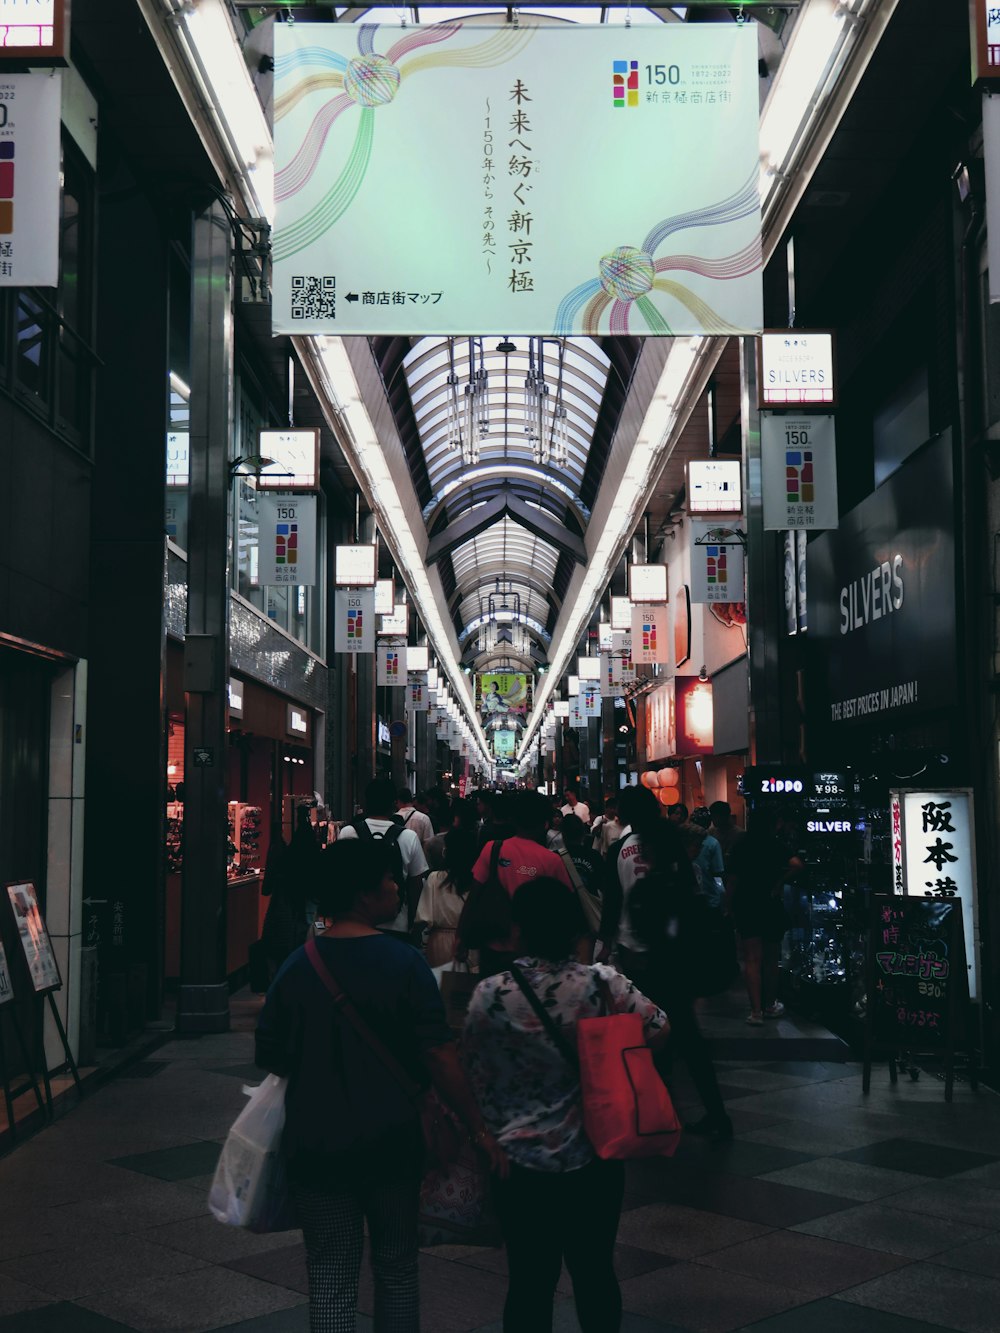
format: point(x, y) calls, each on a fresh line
point(485, 918)
point(589, 902)
point(627, 1111)
point(441, 1131)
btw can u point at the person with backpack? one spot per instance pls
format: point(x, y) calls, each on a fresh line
point(409, 865)
point(413, 817)
point(504, 865)
point(650, 918)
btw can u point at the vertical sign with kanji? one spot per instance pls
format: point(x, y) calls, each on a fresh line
point(937, 855)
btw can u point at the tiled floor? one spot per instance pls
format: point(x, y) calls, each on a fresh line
point(830, 1212)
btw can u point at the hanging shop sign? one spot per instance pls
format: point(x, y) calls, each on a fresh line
point(984, 17)
point(294, 455)
point(30, 169)
point(991, 162)
point(178, 458)
point(588, 668)
point(577, 715)
point(795, 368)
point(604, 632)
point(622, 666)
point(385, 597)
point(798, 471)
point(647, 584)
point(714, 486)
point(34, 938)
point(286, 540)
point(354, 566)
point(354, 621)
point(416, 695)
point(646, 220)
point(297, 722)
point(882, 631)
point(34, 32)
point(503, 694)
point(6, 987)
point(717, 563)
point(650, 634)
point(589, 698)
point(418, 657)
point(235, 698)
point(621, 614)
point(934, 855)
point(390, 666)
point(397, 625)
point(560, 708)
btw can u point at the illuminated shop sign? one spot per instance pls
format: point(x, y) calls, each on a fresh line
point(33, 33)
point(795, 368)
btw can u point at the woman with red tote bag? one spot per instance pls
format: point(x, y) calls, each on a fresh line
point(562, 1200)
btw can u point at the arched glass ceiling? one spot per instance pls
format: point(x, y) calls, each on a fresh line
point(498, 553)
point(585, 371)
point(534, 609)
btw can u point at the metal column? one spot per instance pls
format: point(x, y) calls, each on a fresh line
point(203, 1001)
point(765, 613)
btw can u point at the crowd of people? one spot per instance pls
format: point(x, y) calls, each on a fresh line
point(632, 902)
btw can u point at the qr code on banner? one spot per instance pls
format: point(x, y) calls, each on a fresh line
point(314, 298)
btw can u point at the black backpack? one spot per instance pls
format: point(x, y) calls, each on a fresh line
point(390, 836)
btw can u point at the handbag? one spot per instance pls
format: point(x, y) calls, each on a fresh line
point(249, 1188)
point(457, 986)
point(627, 1111)
point(442, 1138)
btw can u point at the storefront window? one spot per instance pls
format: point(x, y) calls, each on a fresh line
point(179, 402)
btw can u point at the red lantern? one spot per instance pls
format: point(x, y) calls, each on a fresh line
point(669, 777)
point(668, 795)
point(649, 780)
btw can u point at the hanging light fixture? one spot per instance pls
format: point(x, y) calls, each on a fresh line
point(469, 415)
point(546, 420)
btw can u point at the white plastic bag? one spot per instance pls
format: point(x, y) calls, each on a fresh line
point(250, 1189)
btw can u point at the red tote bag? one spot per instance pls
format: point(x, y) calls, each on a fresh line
point(627, 1111)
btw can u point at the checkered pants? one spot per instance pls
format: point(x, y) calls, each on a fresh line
point(333, 1225)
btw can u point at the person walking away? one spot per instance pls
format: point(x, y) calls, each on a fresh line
point(707, 864)
point(678, 814)
point(646, 929)
point(352, 1141)
point(443, 898)
point(519, 860)
point(560, 1201)
point(285, 922)
point(412, 817)
point(759, 864)
point(303, 866)
point(574, 806)
point(410, 864)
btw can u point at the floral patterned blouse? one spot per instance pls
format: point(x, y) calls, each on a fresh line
point(527, 1090)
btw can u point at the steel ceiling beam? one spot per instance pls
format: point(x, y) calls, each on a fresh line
point(479, 520)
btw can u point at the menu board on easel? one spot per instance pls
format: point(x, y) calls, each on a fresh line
point(34, 937)
point(917, 979)
point(6, 989)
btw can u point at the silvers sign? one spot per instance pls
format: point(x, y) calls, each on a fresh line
point(882, 599)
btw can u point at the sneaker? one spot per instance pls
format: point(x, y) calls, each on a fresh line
point(774, 1010)
point(715, 1130)
point(755, 1020)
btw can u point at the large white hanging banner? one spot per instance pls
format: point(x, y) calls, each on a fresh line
point(644, 219)
point(798, 462)
point(651, 633)
point(622, 666)
point(716, 562)
point(30, 167)
point(589, 698)
point(416, 695)
point(354, 621)
point(287, 537)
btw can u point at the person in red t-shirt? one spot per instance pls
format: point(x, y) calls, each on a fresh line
point(523, 858)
